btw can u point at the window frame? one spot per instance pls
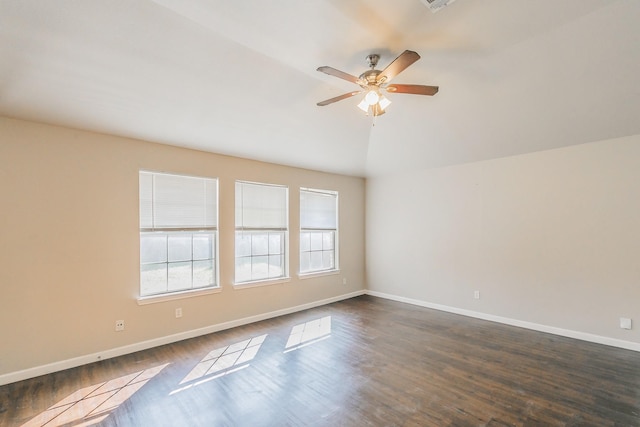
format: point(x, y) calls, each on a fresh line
point(252, 231)
point(318, 229)
point(184, 229)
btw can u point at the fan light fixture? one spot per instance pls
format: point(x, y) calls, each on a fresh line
point(371, 99)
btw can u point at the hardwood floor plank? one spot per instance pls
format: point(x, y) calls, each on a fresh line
point(360, 362)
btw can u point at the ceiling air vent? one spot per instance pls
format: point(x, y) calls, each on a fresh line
point(436, 5)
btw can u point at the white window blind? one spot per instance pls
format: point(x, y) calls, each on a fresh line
point(318, 209)
point(260, 206)
point(177, 202)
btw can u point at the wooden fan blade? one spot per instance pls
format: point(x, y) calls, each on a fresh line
point(398, 65)
point(338, 98)
point(340, 74)
point(413, 89)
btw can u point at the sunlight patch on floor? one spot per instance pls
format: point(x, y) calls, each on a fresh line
point(309, 333)
point(223, 361)
point(91, 405)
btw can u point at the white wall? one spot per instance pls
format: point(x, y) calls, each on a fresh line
point(69, 253)
point(550, 239)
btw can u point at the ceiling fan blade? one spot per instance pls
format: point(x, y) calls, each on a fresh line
point(413, 89)
point(338, 98)
point(340, 74)
point(398, 65)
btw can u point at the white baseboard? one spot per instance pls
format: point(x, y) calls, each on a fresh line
point(132, 348)
point(598, 339)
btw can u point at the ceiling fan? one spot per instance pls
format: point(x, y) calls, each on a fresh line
point(374, 82)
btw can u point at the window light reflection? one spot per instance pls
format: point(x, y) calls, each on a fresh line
point(223, 361)
point(309, 333)
point(93, 404)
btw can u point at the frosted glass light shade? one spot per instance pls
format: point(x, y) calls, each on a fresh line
point(384, 102)
point(364, 105)
point(372, 97)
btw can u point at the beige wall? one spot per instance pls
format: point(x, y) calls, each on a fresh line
point(549, 238)
point(70, 244)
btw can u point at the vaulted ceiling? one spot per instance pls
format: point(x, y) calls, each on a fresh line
point(239, 77)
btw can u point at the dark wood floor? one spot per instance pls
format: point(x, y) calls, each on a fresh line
point(360, 362)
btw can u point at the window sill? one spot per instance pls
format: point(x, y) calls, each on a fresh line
point(258, 283)
point(313, 274)
point(152, 299)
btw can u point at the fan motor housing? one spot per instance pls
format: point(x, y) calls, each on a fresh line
point(370, 76)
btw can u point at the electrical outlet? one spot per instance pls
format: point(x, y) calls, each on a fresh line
point(344, 280)
point(119, 325)
point(476, 294)
point(178, 312)
point(625, 323)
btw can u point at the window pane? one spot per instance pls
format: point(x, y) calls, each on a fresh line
point(179, 247)
point(316, 261)
point(275, 243)
point(202, 246)
point(327, 260)
point(203, 273)
point(153, 248)
point(260, 244)
point(153, 279)
point(327, 240)
point(305, 261)
point(243, 269)
point(275, 266)
point(305, 242)
point(260, 267)
point(179, 276)
point(243, 244)
point(316, 241)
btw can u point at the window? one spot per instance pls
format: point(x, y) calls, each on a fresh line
point(318, 230)
point(178, 233)
point(261, 232)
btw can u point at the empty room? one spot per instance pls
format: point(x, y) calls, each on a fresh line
point(320, 213)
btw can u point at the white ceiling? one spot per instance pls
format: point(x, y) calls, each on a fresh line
point(239, 77)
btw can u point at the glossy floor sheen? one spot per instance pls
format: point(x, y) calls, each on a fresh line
point(360, 362)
